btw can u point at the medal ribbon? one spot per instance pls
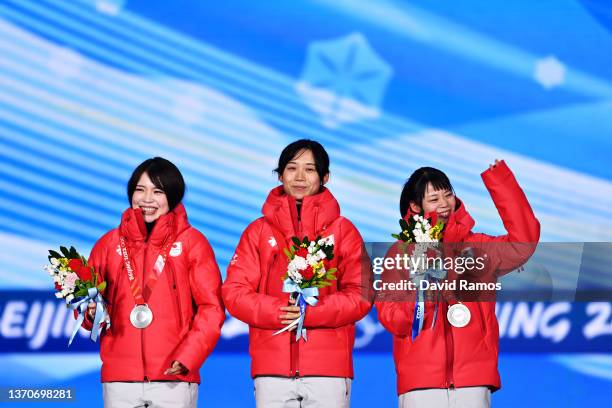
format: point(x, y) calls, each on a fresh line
point(152, 278)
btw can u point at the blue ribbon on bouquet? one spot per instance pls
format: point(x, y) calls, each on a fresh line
point(431, 274)
point(80, 305)
point(306, 296)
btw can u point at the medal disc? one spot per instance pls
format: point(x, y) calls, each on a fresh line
point(458, 315)
point(141, 316)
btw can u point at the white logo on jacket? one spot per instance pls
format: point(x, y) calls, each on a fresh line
point(234, 259)
point(177, 249)
point(119, 249)
point(272, 242)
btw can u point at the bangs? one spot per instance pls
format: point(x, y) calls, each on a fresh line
point(441, 184)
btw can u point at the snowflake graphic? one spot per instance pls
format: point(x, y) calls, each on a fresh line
point(549, 72)
point(109, 7)
point(343, 80)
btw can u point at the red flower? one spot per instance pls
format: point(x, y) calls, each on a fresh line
point(75, 264)
point(308, 273)
point(84, 272)
point(58, 286)
point(303, 252)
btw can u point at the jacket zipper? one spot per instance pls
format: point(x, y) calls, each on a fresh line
point(294, 344)
point(450, 353)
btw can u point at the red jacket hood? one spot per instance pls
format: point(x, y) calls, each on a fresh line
point(317, 212)
point(459, 223)
point(173, 223)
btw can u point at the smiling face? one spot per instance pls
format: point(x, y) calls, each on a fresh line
point(442, 202)
point(150, 199)
point(300, 178)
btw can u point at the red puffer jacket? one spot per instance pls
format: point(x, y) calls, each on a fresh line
point(445, 356)
point(253, 289)
point(186, 301)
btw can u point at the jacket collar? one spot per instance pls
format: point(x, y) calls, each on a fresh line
point(167, 226)
point(317, 212)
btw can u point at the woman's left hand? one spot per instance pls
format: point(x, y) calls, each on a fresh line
point(292, 312)
point(176, 368)
point(491, 166)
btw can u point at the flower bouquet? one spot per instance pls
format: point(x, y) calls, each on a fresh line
point(306, 273)
point(78, 284)
point(418, 230)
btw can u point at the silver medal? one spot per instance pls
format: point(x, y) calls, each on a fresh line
point(458, 315)
point(141, 316)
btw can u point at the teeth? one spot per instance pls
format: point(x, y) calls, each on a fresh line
point(149, 210)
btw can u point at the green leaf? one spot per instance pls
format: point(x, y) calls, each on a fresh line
point(287, 252)
point(65, 252)
point(102, 286)
point(292, 250)
point(296, 241)
point(73, 253)
point(54, 254)
point(332, 270)
point(404, 224)
point(305, 241)
point(396, 236)
point(80, 293)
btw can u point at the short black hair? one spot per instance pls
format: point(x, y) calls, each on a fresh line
point(164, 174)
point(415, 186)
point(292, 150)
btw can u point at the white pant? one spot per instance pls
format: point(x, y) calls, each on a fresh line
point(150, 394)
point(466, 397)
point(302, 392)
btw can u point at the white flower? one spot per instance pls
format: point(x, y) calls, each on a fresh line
point(329, 240)
point(298, 263)
point(415, 217)
point(320, 254)
point(69, 298)
point(54, 262)
point(50, 269)
point(59, 295)
point(311, 259)
point(295, 276)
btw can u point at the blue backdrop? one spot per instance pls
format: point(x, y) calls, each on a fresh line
point(90, 88)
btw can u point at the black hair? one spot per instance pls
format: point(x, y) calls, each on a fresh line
point(292, 150)
point(164, 174)
point(415, 186)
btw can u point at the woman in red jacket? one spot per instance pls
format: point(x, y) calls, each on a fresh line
point(453, 362)
point(289, 372)
point(163, 293)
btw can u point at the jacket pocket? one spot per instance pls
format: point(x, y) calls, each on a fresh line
point(482, 319)
point(176, 296)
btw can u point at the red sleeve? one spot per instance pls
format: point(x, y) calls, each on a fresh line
point(353, 300)
point(395, 308)
point(97, 259)
point(509, 251)
point(205, 282)
point(240, 287)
